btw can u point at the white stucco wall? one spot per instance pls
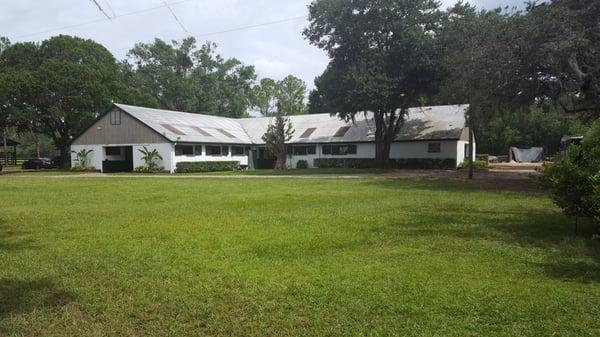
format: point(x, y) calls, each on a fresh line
point(405, 150)
point(199, 158)
point(363, 150)
point(98, 155)
point(95, 157)
point(449, 149)
point(165, 150)
point(460, 150)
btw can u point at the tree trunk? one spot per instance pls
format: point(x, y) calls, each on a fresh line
point(280, 163)
point(4, 132)
point(65, 156)
point(36, 139)
point(471, 154)
point(380, 147)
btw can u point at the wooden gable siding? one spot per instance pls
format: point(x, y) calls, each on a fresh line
point(130, 131)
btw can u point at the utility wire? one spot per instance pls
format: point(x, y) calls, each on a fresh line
point(99, 20)
point(110, 8)
point(101, 9)
point(175, 17)
point(235, 29)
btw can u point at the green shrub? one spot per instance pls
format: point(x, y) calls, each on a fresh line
point(362, 163)
point(149, 169)
point(83, 169)
point(302, 164)
point(574, 183)
point(482, 157)
point(207, 166)
point(479, 164)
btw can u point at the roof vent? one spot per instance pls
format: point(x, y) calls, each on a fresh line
point(200, 131)
point(341, 132)
point(173, 129)
point(226, 133)
point(308, 132)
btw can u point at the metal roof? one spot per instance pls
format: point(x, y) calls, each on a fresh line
point(426, 123)
point(183, 127)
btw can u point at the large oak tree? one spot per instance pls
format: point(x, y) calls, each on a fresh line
point(59, 86)
point(384, 59)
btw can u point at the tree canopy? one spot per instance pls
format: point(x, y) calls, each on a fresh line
point(186, 78)
point(289, 95)
point(59, 86)
point(384, 59)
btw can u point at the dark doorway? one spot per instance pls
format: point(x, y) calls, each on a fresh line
point(266, 160)
point(117, 159)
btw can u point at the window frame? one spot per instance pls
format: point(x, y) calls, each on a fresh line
point(308, 150)
point(196, 148)
point(106, 151)
point(234, 153)
point(335, 149)
point(183, 152)
point(209, 148)
point(434, 147)
point(115, 117)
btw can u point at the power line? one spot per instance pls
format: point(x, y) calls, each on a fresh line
point(99, 20)
point(110, 8)
point(101, 9)
point(175, 17)
point(234, 29)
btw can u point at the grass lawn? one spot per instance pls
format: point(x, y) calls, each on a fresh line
point(289, 257)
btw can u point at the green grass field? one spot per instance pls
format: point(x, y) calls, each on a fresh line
point(289, 257)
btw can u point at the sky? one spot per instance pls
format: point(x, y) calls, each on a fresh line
point(263, 33)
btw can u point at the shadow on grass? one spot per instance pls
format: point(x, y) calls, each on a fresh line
point(459, 185)
point(569, 255)
point(23, 296)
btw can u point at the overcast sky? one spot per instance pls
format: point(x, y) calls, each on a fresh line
point(263, 33)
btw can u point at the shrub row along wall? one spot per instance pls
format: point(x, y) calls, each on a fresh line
point(207, 166)
point(415, 163)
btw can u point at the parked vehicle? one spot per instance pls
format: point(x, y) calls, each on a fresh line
point(38, 164)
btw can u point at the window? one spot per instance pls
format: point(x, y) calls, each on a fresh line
point(184, 150)
point(225, 150)
point(339, 150)
point(237, 150)
point(304, 150)
point(115, 117)
point(113, 151)
point(434, 147)
point(467, 152)
point(213, 150)
point(198, 150)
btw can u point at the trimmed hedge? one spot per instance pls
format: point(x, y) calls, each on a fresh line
point(207, 166)
point(302, 164)
point(362, 163)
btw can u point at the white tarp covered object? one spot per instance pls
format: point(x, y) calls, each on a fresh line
point(532, 155)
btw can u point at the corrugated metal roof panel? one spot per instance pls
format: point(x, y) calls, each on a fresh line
point(436, 122)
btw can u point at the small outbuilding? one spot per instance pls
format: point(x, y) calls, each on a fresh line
point(8, 156)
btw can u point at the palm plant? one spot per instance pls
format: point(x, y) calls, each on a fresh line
point(149, 157)
point(82, 157)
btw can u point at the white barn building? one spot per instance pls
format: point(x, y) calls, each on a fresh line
point(436, 132)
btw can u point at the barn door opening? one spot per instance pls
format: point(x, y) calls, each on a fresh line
point(117, 159)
